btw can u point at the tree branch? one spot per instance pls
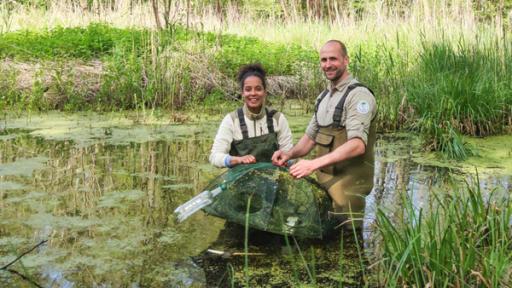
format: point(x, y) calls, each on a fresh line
point(25, 253)
point(24, 278)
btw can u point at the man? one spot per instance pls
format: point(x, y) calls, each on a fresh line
point(343, 129)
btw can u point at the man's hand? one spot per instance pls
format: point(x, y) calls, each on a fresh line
point(303, 168)
point(247, 159)
point(280, 158)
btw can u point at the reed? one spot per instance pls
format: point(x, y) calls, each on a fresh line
point(440, 69)
point(463, 239)
point(246, 242)
point(463, 89)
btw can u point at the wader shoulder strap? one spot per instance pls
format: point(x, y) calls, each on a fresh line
point(239, 113)
point(270, 120)
point(243, 125)
point(338, 110)
point(319, 100)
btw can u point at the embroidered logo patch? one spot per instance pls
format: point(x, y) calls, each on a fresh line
point(363, 107)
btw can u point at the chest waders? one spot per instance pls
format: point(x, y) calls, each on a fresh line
point(262, 147)
point(349, 181)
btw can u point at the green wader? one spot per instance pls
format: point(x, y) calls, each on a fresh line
point(262, 147)
point(349, 181)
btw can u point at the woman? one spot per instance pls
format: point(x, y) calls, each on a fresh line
point(253, 132)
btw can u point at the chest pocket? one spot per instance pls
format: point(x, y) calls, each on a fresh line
point(338, 110)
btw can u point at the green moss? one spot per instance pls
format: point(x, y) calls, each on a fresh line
point(494, 155)
point(85, 129)
point(107, 208)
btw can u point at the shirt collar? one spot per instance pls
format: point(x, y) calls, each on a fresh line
point(342, 84)
point(254, 116)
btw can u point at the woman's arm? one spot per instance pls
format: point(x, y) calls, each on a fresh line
point(219, 155)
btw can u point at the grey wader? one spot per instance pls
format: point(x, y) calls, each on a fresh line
point(349, 181)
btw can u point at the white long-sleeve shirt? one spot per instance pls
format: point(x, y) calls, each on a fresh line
point(229, 130)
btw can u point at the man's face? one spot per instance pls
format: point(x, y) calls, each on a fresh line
point(332, 62)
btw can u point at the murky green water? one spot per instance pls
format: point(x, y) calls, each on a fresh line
point(101, 189)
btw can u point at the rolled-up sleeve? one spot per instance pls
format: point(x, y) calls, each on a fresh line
point(284, 137)
point(222, 143)
point(312, 128)
point(360, 110)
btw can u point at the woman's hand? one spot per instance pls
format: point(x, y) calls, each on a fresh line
point(247, 159)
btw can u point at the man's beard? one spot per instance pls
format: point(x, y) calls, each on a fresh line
point(337, 76)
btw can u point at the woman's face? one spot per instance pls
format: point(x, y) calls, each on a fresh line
point(254, 93)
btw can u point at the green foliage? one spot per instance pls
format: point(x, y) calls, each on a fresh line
point(10, 95)
point(98, 40)
point(263, 7)
point(92, 41)
point(278, 59)
point(464, 89)
point(36, 3)
point(383, 67)
point(121, 87)
point(145, 68)
point(469, 228)
point(489, 10)
point(468, 85)
point(443, 88)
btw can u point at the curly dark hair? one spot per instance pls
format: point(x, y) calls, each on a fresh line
point(254, 69)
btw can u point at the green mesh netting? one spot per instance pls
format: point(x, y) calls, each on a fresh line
point(279, 203)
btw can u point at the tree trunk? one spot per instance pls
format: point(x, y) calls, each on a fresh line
point(285, 11)
point(154, 3)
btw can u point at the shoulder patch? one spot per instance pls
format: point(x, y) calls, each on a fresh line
point(363, 107)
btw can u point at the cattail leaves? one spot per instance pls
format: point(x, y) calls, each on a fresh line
point(462, 239)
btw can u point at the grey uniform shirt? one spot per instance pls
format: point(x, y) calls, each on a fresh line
point(358, 111)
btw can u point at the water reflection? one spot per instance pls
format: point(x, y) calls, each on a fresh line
point(105, 208)
point(398, 177)
point(105, 203)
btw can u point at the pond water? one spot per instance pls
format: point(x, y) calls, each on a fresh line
point(102, 188)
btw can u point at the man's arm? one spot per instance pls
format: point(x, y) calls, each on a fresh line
point(352, 148)
point(361, 109)
point(302, 148)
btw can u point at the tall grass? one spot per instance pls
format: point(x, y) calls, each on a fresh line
point(443, 89)
point(168, 69)
point(462, 89)
point(439, 68)
point(463, 240)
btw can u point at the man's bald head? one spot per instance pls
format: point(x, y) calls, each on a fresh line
point(342, 48)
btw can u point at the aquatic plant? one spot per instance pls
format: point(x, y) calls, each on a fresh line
point(442, 69)
point(463, 239)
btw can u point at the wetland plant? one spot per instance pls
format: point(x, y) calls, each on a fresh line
point(463, 240)
point(464, 89)
point(430, 73)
